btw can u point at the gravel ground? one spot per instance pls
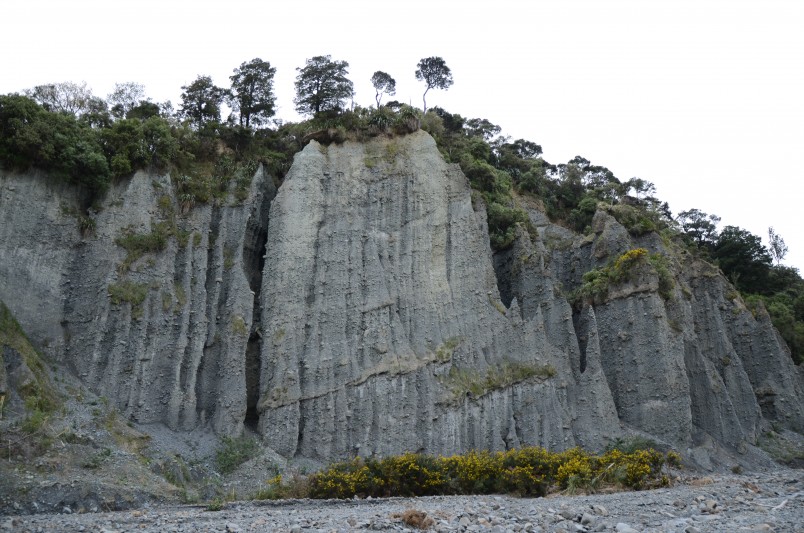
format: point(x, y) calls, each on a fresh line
point(766, 502)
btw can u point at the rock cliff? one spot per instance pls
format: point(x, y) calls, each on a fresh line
point(383, 322)
point(166, 337)
point(359, 309)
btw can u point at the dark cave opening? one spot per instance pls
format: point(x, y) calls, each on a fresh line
point(252, 381)
point(581, 335)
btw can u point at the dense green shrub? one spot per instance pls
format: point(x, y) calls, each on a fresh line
point(502, 222)
point(638, 221)
point(68, 149)
point(71, 150)
point(785, 310)
point(580, 218)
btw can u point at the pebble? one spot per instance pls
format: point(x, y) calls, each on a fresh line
point(709, 506)
point(600, 510)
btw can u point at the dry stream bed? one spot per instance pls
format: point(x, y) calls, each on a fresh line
point(756, 502)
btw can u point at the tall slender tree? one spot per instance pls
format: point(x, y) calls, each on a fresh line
point(778, 248)
point(384, 84)
point(435, 74)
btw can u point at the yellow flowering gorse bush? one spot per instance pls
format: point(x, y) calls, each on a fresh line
point(529, 471)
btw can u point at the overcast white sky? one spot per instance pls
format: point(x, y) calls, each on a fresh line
point(704, 98)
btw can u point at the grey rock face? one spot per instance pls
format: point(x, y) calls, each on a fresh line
point(379, 290)
point(179, 355)
point(36, 239)
point(643, 359)
point(680, 366)
point(359, 310)
point(525, 276)
point(745, 356)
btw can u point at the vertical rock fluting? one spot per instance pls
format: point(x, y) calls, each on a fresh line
point(358, 312)
point(525, 275)
point(378, 290)
point(686, 365)
point(173, 349)
point(743, 355)
point(643, 359)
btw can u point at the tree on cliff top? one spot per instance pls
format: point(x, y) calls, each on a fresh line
point(435, 73)
point(201, 101)
point(69, 97)
point(253, 92)
point(384, 84)
point(322, 85)
point(700, 227)
point(125, 97)
point(743, 259)
point(778, 248)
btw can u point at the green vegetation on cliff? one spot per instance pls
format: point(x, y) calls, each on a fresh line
point(27, 397)
point(82, 139)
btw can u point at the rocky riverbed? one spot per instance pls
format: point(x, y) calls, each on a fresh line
point(766, 502)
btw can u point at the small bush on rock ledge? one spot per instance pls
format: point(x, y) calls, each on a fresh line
point(233, 452)
point(597, 282)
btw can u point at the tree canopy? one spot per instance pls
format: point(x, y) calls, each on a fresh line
point(125, 97)
point(322, 85)
point(252, 94)
point(435, 74)
point(69, 97)
point(742, 257)
point(383, 84)
point(201, 101)
point(700, 227)
point(482, 127)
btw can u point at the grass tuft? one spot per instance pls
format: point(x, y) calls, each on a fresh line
point(130, 292)
point(462, 382)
